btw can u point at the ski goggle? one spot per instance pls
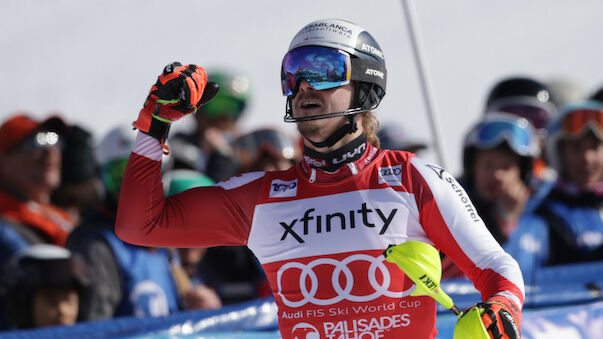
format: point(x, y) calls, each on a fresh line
point(321, 67)
point(113, 173)
point(518, 133)
point(576, 122)
point(41, 140)
point(252, 146)
point(536, 115)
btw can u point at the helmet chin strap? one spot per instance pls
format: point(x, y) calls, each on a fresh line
point(350, 128)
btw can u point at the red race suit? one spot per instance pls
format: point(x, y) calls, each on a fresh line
point(320, 236)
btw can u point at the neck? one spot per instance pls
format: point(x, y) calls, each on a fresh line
point(331, 158)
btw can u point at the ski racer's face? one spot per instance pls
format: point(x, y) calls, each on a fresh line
point(309, 102)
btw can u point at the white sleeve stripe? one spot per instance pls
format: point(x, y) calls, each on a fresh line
point(148, 147)
point(511, 297)
point(468, 231)
point(240, 180)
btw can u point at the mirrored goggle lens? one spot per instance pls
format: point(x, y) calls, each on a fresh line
point(536, 115)
point(322, 67)
point(518, 135)
point(574, 123)
point(113, 173)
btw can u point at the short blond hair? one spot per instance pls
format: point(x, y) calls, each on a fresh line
point(370, 125)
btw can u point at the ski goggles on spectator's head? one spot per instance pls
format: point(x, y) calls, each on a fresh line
point(113, 173)
point(538, 113)
point(252, 146)
point(321, 67)
point(41, 139)
point(577, 120)
point(497, 128)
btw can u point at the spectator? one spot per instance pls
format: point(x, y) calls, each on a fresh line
point(130, 280)
point(572, 209)
point(80, 185)
point(498, 156)
point(395, 137)
point(216, 126)
point(265, 149)
point(533, 100)
point(30, 169)
point(43, 286)
point(191, 284)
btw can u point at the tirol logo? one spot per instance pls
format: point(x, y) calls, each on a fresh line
point(374, 72)
point(391, 175)
point(315, 162)
point(309, 223)
point(304, 331)
point(282, 189)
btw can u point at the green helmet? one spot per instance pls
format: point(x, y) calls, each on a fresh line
point(178, 180)
point(232, 97)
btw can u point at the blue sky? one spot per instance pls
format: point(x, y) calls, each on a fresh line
point(94, 61)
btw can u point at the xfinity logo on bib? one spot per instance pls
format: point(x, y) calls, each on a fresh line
point(283, 189)
point(391, 175)
point(310, 223)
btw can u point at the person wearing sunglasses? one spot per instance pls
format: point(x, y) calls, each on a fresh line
point(320, 228)
point(30, 170)
point(572, 209)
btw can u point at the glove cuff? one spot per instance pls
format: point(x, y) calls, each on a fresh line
point(158, 129)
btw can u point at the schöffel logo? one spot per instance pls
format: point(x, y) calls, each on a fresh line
point(283, 189)
point(391, 175)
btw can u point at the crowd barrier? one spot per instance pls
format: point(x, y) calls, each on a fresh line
point(563, 302)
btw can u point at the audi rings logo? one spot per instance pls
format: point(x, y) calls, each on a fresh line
point(341, 292)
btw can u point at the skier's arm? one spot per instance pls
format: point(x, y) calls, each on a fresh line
point(452, 223)
point(200, 217)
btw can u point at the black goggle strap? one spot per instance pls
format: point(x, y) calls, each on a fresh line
point(368, 71)
point(338, 134)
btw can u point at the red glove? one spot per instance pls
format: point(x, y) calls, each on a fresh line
point(501, 318)
point(178, 92)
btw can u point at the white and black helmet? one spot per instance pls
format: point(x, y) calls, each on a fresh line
point(367, 62)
